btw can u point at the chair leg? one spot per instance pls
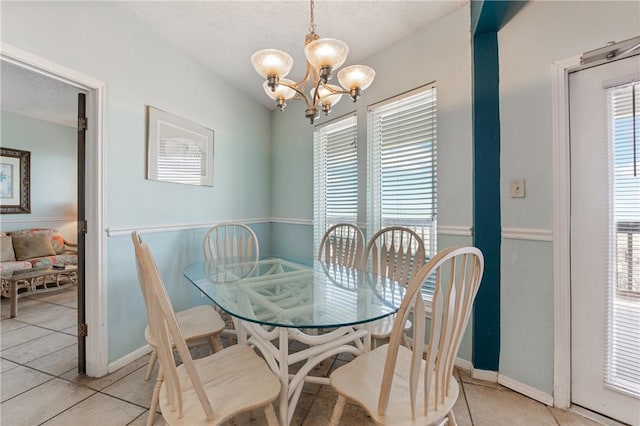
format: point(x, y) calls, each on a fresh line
point(451, 419)
point(337, 411)
point(155, 397)
point(270, 414)
point(215, 343)
point(152, 363)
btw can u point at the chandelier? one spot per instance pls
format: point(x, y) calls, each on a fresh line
point(324, 55)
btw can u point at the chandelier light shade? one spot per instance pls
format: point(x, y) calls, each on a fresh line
point(326, 52)
point(324, 55)
point(270, 62)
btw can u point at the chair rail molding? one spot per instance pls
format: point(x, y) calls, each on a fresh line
point(95, 259)
point(531, 234)
point(462, 231)
point(292, 221)
point(116, 231)
point(40, 219)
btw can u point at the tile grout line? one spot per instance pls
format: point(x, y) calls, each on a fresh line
point(466, 401)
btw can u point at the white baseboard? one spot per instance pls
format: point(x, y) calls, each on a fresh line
point(486, 375)
point(525, 390)
point(598, 418)
point(129, 358)
point(463, 364)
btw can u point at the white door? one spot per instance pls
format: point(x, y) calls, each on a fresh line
point(605, 239)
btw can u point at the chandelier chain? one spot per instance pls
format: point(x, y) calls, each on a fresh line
point(312, 25)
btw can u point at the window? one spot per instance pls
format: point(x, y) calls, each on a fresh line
point(402, 172)
point(335, 180)
point(623, 302)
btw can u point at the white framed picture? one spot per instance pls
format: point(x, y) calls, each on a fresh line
point(179, 150)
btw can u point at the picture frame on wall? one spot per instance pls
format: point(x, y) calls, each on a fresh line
point(15, 185)
point(179, 150)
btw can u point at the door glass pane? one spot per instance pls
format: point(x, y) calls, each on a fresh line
point(622, 369)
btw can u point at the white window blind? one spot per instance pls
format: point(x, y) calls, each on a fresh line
point(335, 182)
point(402, 172)
point(622, 369)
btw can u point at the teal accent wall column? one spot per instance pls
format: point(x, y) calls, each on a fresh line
point(486, 19)
point(486, 200)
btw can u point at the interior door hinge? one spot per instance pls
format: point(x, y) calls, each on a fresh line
point(82, 227)
point(82, 330)
point(82, 124)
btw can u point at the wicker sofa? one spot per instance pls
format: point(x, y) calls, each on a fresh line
point(34, 247)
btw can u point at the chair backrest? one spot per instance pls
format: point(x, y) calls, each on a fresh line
point(342, 244)
point(232, 244)
point(394, 252)
point(457, 272)
point(164, 327)
point(137, 246)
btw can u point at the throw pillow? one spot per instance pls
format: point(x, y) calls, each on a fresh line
point(57, 241)
point(30, 246)
point(6, 247)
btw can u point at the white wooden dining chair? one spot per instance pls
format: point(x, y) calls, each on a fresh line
point(197, 323)
point(342, 244)
point(234, 247)
point(397, 385)
point(231, 243)
point(396, 253)
point(209, 390)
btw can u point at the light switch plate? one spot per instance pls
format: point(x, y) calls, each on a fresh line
point(517, 188)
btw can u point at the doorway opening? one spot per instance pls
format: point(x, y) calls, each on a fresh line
point(94, 297)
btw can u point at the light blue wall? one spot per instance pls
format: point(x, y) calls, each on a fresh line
point(541, 33)
point(139, 69)
point(53, 150)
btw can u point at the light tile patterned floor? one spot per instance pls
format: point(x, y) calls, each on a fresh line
point(39, 383)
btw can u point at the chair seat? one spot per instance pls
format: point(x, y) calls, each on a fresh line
point(234, 379)
point(360, 380)
point(195, 323)
point(381, 329)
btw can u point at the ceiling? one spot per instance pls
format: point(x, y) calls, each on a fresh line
point(224, 34)
point(28, 93)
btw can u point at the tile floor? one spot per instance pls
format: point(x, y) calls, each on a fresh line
point(39, 383)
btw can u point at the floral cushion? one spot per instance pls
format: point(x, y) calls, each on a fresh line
point(67, 258)
point(12, 266)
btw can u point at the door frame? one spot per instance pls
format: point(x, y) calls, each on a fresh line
point(561, 230)
point(561, 149)
point(95, 258)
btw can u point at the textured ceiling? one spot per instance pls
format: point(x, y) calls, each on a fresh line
point(224, 34)
point(28, 93)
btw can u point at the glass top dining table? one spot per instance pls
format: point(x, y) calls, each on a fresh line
point(276, 292)
point(274, 301)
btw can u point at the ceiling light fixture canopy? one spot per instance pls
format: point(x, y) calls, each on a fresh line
point(324, 55)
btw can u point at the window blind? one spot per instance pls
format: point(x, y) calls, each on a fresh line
point(622, 369)
point(402, 172)
point(335, 183)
